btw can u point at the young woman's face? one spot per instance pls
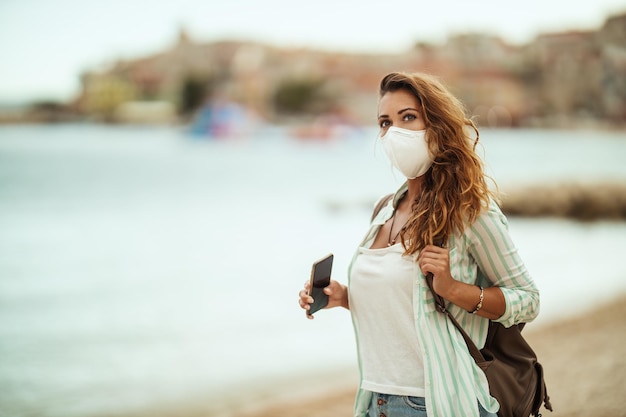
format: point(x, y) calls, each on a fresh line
point(400, 109)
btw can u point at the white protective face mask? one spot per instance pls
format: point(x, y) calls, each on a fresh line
point(407, 150)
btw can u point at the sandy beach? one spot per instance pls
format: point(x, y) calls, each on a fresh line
point(584, 359)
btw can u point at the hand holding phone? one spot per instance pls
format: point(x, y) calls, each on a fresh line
point(320, 279)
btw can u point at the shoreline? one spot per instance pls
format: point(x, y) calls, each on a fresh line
point(582, 201)
point(583, 356)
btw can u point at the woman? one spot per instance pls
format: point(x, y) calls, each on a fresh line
point(443, 221)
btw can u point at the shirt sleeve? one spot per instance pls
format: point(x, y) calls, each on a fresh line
point(499, 261)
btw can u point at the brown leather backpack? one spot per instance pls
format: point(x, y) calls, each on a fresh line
point(514, 374)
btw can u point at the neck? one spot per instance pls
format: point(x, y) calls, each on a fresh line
point(414, 187)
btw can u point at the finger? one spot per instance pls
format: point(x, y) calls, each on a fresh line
point(424, 253)
point(429, 250)
point(427, 267)
point(304, 293)
point(434, 258)
point(433, 262)
point(437, 252)
point(424, 269)
point(435, 268)
point(305, 299)
point(304, 304)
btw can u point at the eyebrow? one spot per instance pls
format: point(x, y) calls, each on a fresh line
point(400, 112)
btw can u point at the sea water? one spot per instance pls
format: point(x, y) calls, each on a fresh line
point(139, 266)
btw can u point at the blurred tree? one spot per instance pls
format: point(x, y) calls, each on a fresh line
point(297, 96)
point(49, 111)
point(194, 91)
point(105, 92)
point(48, 105)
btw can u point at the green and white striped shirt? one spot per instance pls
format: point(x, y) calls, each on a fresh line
point(485, 255)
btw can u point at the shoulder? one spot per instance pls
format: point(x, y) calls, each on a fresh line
point(380, 203)
point(492, 214)
point(490, 221)
point(383, 200)
point(388, 199)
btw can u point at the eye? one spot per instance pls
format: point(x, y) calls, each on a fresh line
point(409, 117)
point(384, 123)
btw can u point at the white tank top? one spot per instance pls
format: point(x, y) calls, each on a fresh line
point(381, 301)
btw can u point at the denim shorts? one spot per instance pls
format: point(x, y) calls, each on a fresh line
point(387, 405)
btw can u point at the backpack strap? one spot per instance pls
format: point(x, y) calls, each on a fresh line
point(381, 203)
point(440, 305)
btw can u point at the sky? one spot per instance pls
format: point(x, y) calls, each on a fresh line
point(46, 44)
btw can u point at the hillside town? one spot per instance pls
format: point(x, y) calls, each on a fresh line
point(563, 80)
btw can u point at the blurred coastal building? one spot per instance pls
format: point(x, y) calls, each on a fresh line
point(569, 79)
point(276, 84)
point(579, 75)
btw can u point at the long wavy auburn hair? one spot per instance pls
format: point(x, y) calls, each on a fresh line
point(455, 189)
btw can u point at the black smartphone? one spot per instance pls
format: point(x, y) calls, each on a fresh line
point(320, 278)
